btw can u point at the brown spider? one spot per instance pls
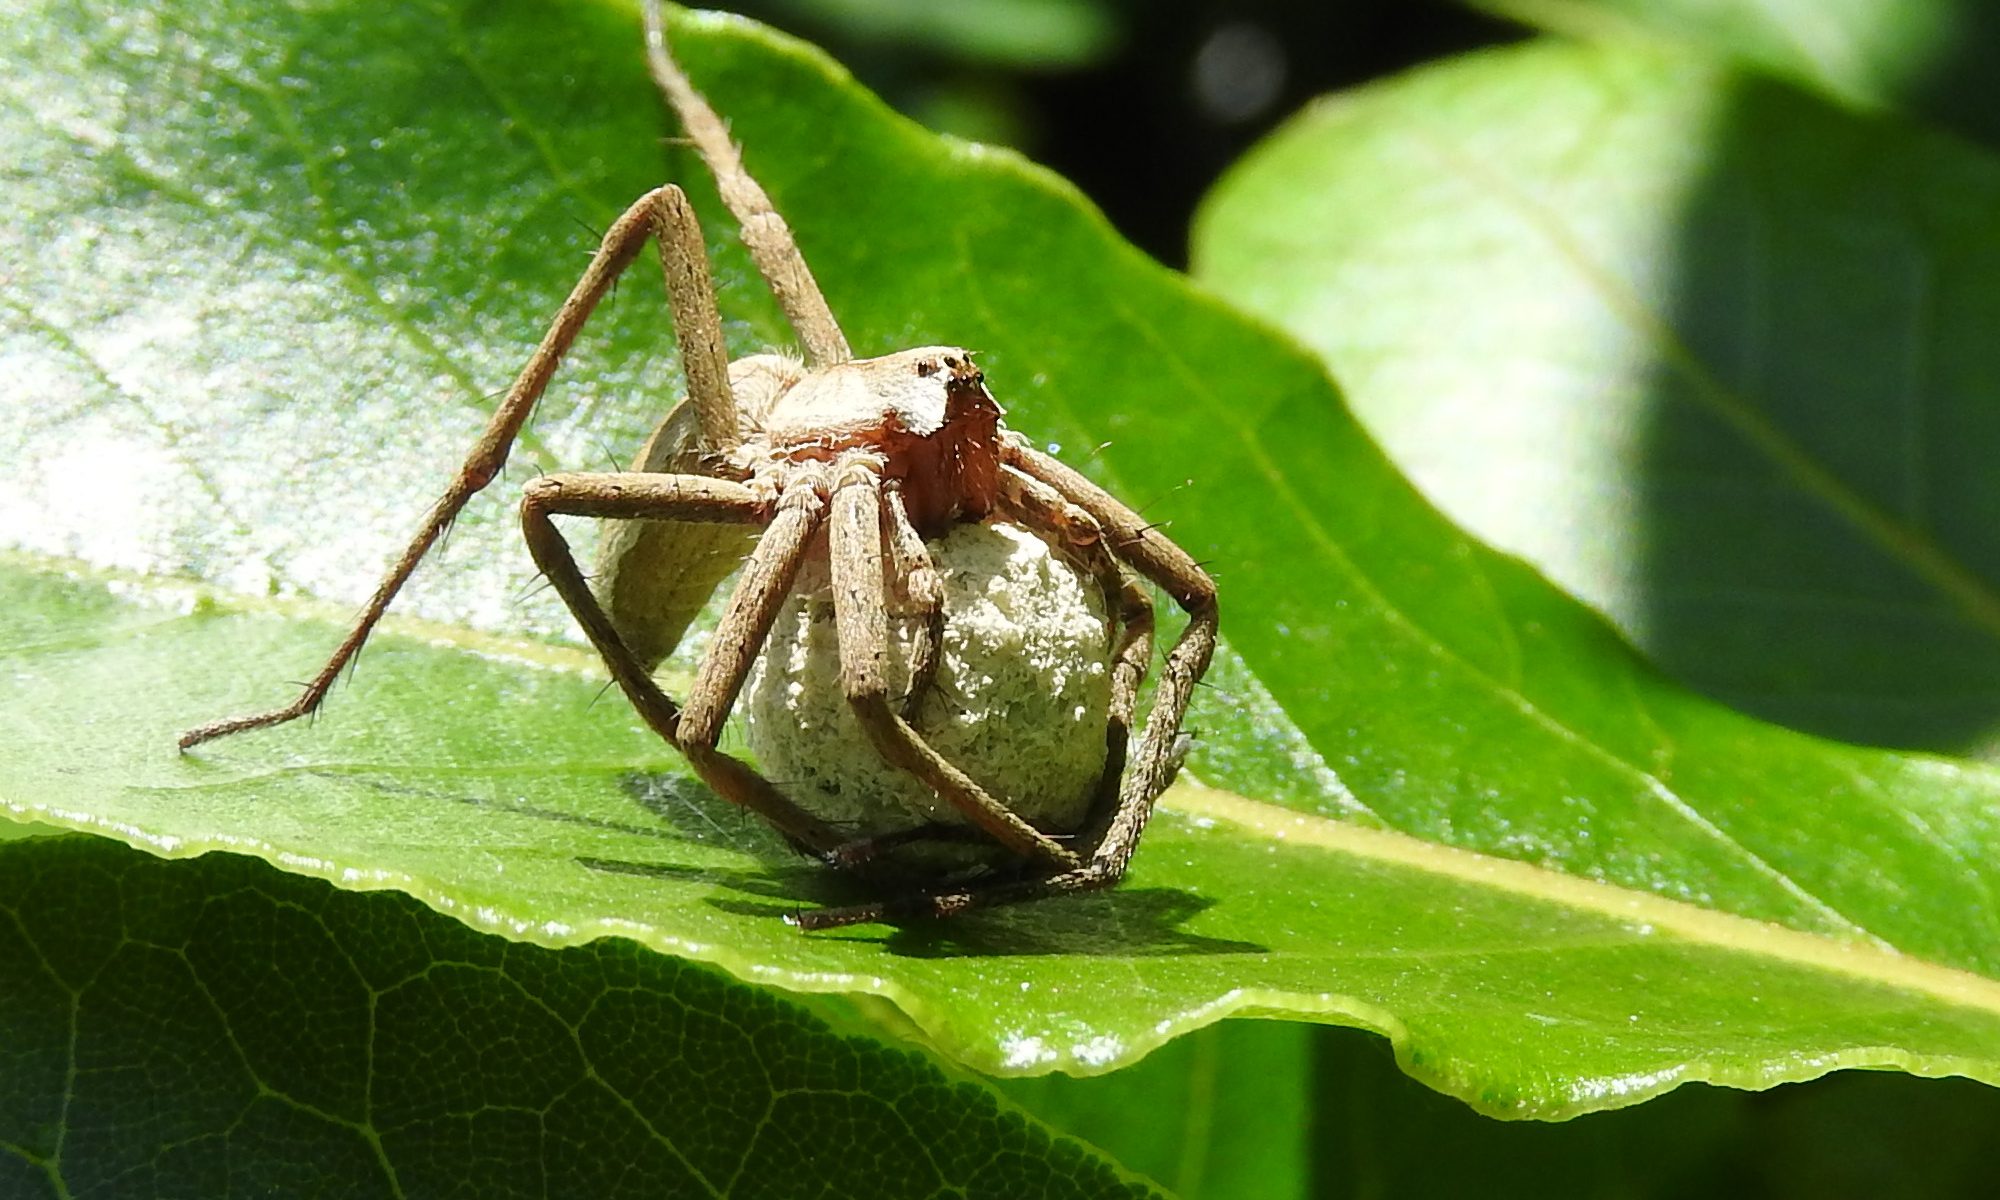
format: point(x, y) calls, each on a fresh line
point(877, 454)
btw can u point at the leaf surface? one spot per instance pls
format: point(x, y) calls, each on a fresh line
point(1443, 801)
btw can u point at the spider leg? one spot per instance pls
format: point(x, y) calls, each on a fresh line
point(1160, 560)
point(862, 629)
point(765, 584)
point(1037, 506)
point(765, 233)
point(921, 589)
point(664, 211)
point(684, 498)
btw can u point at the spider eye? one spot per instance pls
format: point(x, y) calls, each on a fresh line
point(926, 367)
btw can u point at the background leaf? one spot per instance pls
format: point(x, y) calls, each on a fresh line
point(1702, 347)
point(287, 333)
point(1924, 56)
point(219, 1028)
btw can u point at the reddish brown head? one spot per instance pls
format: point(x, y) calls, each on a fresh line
point(926, 411)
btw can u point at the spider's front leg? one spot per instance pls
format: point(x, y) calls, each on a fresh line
point(855, 541)
point(1046, 495)
point(1038, 507)
point(921, 590)
point(664, 211)
point(767, 578)
point(1135, 541)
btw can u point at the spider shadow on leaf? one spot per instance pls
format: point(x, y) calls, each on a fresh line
point(394, 784)
point(1144, 921)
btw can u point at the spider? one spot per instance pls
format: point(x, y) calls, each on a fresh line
point(856, 460)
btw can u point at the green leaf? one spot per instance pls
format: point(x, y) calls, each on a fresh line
point(317, 241)
point(1706, 350)
point(219, 1028)
point(1932, 57)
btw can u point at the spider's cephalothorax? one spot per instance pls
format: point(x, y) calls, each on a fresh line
point(925, 412)
point(773, 463)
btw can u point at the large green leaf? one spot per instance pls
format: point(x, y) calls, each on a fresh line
point(219, 1028)
point(268, 264)
point(1706, 349)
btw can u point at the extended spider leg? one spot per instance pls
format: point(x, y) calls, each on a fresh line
point(918, 581)
point(687, 498)
point(1113, 835)
point(862, 629)
point(664, 210)
point(765, 233)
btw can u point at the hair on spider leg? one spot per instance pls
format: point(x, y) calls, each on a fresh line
point(596, 234)
point(611, 456)
point(1148, 527)
point(1177, 754)
point(1097, 451)
point(541, 584)
point(608, 685)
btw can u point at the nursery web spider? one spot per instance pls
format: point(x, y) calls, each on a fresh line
point(856, 460)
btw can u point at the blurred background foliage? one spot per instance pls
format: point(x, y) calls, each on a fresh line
point(1141, 103)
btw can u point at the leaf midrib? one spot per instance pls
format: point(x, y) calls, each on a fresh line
point(1866, 960)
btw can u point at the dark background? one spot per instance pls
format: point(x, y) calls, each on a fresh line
point(1139, 104)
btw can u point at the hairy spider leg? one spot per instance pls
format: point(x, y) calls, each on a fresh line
point(1037, 507)
point(765, 233)
point(688, 498)
point(920, 590)
point(663, 211)
point(760, 593)
point(1156, 557)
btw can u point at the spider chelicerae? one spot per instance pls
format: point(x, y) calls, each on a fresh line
point(858, 461)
